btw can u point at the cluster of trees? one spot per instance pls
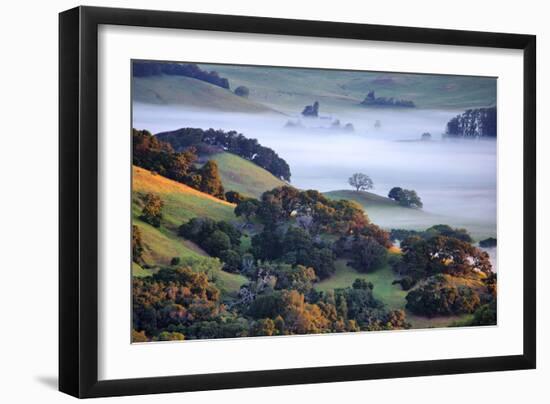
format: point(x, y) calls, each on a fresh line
point(171, 299)
point(309, 210)
point(473, 124)
point(343, 310)
point(435, 230)
point(292, 249)
point(233, 142)
point(296, 226)
point(219, 239)
point(147, 69)
point(372, 100)
point(295, 246)
point(445, 274)
point(177, 304)
point(440, 296)
point(153, 154)
point(440, 254)
point(406, 197)
point(366, 249)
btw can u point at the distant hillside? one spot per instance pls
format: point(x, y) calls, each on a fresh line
point(389, 214)
point(289, 89)
point(244, 176)
point(178, 90)
point(147, 68)
point(474, 124)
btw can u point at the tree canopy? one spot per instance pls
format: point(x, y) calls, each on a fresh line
point(232, 142)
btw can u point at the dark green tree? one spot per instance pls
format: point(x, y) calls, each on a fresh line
point(217, 242)
point(396, 193)
point(231, 260)
point(367, 254)
point(247, 208)
point(234, 197)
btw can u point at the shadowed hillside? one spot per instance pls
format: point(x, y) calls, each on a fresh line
point(178, 90)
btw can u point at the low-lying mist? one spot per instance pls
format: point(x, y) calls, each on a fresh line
point(453, 178)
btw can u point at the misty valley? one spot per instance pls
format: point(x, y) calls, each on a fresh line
point(279, 201)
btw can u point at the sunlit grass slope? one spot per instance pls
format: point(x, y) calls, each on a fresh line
point(392, 295)
point(181, 203)
point(244, 176)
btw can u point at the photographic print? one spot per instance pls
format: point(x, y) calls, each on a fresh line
point(279, 201)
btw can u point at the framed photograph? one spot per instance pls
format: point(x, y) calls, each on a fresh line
point(251, 202)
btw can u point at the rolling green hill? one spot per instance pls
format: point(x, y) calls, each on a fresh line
point(290, 89)
point(181, 203)
point(178, 90)
point(244, 176)
point(366, 199)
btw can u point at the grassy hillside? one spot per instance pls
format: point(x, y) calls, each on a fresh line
point(290, 89)
point(181, 203)
point(244, 176)
point(178, 90)
point(388, 214)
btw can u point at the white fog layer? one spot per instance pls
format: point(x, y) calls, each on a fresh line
point(453, 178)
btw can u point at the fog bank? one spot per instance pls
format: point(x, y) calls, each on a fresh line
point(453, 178)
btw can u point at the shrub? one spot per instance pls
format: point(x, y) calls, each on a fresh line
point(486, 314)
point(488, 242)
point(234, 197)
point(406, 283)
point(152, 209)
point(231, 260)
point(367, 254)
point(242, 91)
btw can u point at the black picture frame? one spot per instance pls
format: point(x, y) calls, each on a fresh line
point(78, 201)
